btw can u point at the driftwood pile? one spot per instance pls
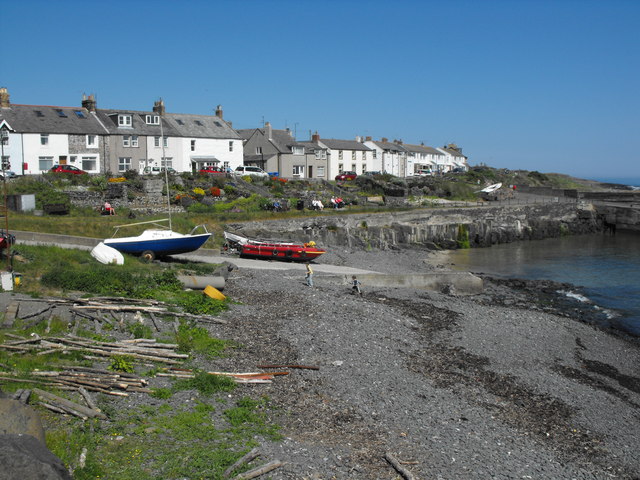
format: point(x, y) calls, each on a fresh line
point(143, 349)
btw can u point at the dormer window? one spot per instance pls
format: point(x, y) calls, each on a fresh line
point(61, 113)
point(124, 120)
point(153, 120)
point(297, 150)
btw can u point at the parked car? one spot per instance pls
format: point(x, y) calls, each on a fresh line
point(211, 170)
point(243, 170)
point(424, 173)
point(158, 170)
point(7, 174)
point(346, 176)
point(372, 173)
point(67, 169)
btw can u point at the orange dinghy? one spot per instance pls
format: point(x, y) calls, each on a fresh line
point(295, 252)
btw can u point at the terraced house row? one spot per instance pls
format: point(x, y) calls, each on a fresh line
point(37, 137)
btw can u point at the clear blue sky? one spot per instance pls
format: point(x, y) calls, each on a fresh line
point(541, 85)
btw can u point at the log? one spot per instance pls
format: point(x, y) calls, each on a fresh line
point(64, 403)
point(87, 398)
point(153, 320)
point(400, 469)
point(308, 367)
point(39, 312)
point(245, 459)
point(256, 472)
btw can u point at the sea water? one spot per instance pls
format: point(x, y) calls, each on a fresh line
point(606, 267)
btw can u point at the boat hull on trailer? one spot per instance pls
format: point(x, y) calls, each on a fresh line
point(293, 252)
point(159, 242)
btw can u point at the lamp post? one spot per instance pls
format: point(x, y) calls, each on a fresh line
point(4, 136)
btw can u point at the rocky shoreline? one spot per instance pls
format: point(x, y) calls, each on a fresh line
point(498, 385)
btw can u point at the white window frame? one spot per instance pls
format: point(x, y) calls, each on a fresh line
point(124, 120)
point(124, 164)
point(375, 154)
point(92, 141)
point(231, 145)
point(298, 170)
point(153, 120)
point(126, 140)
point(156, 141)
point(166, 162)
point(134, 141)
point(297, 150)
point(44, 139)
point(89, 162)
point(320, 171)
point(258, 150)
point(193, 145)
point(340, 155)
point(48, 163)
point(353, 155)
point(165, 141)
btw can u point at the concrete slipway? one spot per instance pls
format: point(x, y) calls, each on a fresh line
point(462, 282)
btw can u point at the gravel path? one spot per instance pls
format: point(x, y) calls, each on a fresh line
point(458, 387)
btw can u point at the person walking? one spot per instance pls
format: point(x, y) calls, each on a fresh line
point(355, 286)
point(309, 276)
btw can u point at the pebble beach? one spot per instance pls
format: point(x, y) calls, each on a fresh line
point(450, 386)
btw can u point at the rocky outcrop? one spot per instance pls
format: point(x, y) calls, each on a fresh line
point(442, 228)
point(24, 457)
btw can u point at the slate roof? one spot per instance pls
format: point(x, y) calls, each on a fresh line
point(421, 149)
point(200, 126)
point(310, 146)
point(390, 146)
point(51, 119)
point(138, 126)
point(280, 139)
point(335, 144)
point(453, 152)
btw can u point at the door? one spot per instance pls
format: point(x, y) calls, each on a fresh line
point(310, 173)
point(62, 159)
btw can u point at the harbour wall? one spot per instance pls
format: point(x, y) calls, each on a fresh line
point(444, 228)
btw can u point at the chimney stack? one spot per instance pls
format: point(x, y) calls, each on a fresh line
point(219, 112)
point(268, 131)
point(89, 102)
point(385, 140)
point(4, 98)
point(158, 107)
point(315, 138)
point(367, 139)
point(358, 139)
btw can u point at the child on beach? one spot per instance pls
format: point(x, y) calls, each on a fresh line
point(309, 276)
point(355, 286)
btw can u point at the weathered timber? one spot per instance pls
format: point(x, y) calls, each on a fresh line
point(256, 472)
point(64, 403)
point(399, 468)
point(253, 454)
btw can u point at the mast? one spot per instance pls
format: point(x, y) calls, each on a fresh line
point(166, 173)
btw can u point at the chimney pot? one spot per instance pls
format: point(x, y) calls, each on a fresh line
point(89, 102)
point(315, 138)
point(385, 140)
point(4, 98)
point(158, 107)
point(219, 112)
point(367, 139)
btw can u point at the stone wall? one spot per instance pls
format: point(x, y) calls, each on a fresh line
point(441, 228)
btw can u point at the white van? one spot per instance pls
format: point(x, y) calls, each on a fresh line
point(243, 170)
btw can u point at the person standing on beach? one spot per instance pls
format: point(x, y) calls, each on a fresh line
point(355, 286)
point(309, 276)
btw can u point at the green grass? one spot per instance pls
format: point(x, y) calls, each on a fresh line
point(134, 443)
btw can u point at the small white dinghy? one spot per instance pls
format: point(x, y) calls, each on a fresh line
point(491, 188)
point(107, 255)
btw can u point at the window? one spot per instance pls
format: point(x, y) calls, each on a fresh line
point(218, 124)
point(258, 150)
point(226, 166)
point(375, 154)
point(134, 140)
point(156, 141)
point(124, 164)
point(39, 113)
point(79, 114)
point(92, 141)
point(126, 140)
point(353, 167)
point(153, 120)
point(4, 136)
point(45, 163)
point(231, 146)
point(297, 150)
point(44, 139)
point(193, 145)
point(6, 163)
point(61, 113)
point(179, 122)
point(298, 170)
point(364, 156)
point(320, 171)
point(198, 122)
point(89, 163)
point(340, 155)
point(165, 141)
point(353, 155)
point(340, 167)
point(124, 120)
point(167, 162)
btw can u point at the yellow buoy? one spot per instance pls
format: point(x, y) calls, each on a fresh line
point(214, 293)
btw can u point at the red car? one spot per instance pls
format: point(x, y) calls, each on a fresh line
point(211, 171)
point(67, 169)
point(346, 176)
